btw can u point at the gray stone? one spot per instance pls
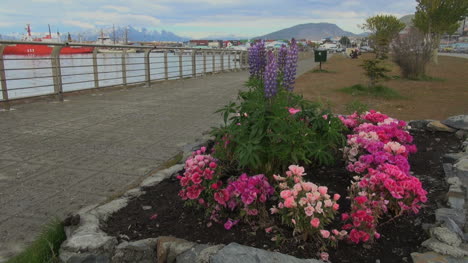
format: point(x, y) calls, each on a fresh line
point(161, 175)
point(452, 226)
point(458, 216)
point(168, 248)
point(88, 258)
point(461, 134)
point(454, 181)
point(235, 253)
point(453, 157)
point(106, 210)
point(419, 124)
point(198, 254)
point(444, 249)
point(438, 126)
point(432, 257)
point(443, 234)
point(461, 170)
point(458, 122)
point(456, 197)
point(448, 170)
point(142, 251)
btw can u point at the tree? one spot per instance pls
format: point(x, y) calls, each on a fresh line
point(345, 41)
point(437, 17)
point(383, 28)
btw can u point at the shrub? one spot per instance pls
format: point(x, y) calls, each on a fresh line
point(270, 126)
point(374, 71)
point(306, 207)
point(412, 52)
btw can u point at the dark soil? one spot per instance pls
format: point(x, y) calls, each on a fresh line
point(399, 238)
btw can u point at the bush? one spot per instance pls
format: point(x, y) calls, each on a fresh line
point(412, 52)
point(374, 71)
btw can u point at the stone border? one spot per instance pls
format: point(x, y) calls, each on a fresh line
point(449, 234)
point(87, 242)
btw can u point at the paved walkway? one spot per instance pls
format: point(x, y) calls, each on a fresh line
point(458, 55)
point(56, 158)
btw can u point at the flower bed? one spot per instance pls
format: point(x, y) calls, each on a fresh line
point(286, 174)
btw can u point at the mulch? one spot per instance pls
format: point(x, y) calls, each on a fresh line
point(160, 212)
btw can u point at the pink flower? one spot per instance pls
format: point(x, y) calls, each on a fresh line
point(290, 202)
point(293, 111)
point(324, 256)
point(328, 203)
point(197, 178)
point(268, 229)
point(230, 223)
point(297, 170)
point(323, 190)
point(336, 197)
point(325, 117)
point(285, 194)
point(336, 206)
point(376, 235)
point(154, 216)
point(344, 216)
point(222, 197)
point(293, 221)
point(315, 222)
point(309, 210)
point(274, 210)
point(325, 233)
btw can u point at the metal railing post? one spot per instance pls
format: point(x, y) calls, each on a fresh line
point(124, 67)
point(166, 71)
point(229, 60)
point(95, 69)
point(194, 63)
point(57, 72)
point(214, 62)
point(181, 73)
point(222, 61)
point(235, 61)
point(147, 67)
point(241, 59)
point(204, 62)
point(6, 102)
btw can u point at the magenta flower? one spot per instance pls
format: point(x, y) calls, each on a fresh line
point(230, 223)
point(293, 111)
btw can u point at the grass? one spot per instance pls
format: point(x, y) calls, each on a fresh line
point(427, 78)
point(321, 71)
point(378, 91)
point(356, 106)
point(45, 248)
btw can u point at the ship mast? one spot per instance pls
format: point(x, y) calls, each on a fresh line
point(50, 33)
point(28, 29)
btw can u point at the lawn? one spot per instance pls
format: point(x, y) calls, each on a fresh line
point(442, 94)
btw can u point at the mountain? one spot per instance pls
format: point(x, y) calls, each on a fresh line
point(408, 20)
point(312, 31)
point(133, 34)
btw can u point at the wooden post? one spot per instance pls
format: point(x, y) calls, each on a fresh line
point(57, 72)
point(124, 67)
point(147, 67)
point(95, 69)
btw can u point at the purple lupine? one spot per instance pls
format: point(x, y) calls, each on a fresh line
point(270, 76)
point(289, 76)
point(282, 53)
point(257, 60)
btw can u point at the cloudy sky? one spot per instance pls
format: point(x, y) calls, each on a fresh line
point(193, 18)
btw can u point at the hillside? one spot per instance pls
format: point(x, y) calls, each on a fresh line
point(313, 31)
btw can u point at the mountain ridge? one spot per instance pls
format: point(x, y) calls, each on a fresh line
point(313, 31)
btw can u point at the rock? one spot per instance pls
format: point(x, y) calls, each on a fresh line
point(445, 235)
point(461, 170)
point(438, 126)
point(168, 248)
point(454, 181)
point(198, 254)
point(419, 124)
point(142, 251)
point(456, 197)
point(452, 226)
point(161, 175)
point(461, 134)
point(432, 257)
point(235, 253)
point(458, 122)
point(453, 157)
point(146, 207)
point(458, 216)
point(87, 241)
point(448, 170)
point(444, 249)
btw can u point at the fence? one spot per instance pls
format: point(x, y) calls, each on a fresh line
point(28, 76)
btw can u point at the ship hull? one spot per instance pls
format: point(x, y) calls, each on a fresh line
point(42, 50)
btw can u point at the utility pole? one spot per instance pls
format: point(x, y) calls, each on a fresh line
point(113, 30)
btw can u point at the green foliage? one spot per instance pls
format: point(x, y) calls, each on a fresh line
point(356, 106)
point(263, 137)
point(383, 28)
point(344, 40)
point(439, 17)
point(45, 248)
point(378, 91)
point(374, 71)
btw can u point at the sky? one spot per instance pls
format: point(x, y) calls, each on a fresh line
point(193, 18)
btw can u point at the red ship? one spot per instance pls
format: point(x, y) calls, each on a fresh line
point(31, 49)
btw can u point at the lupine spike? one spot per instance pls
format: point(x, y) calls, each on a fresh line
point(289, 75)
point(270, 76)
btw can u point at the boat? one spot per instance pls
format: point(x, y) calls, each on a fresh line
point(42, 50)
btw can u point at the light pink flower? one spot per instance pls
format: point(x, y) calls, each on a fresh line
point(336, 197)
point(322, 190)
point(268, 229)
point(325, 117)
point(328, 203)
point(324, 256)
point(274, 210)
point(296, 170)
point(336, 206)
point(290, 203)
point(309, 210)
point(325, 233)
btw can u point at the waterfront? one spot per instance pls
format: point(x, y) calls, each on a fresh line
point(32, 76)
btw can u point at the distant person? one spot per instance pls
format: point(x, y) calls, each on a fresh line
point(354, 54)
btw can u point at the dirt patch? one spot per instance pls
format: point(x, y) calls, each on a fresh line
point(437, 99)
point(161, 212)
